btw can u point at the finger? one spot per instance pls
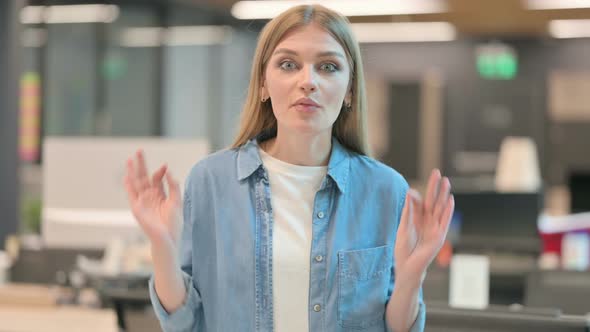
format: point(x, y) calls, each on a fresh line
point(417, 208)
point(129, 179)
point(173, 188)
point(157, 179)
point(432, 191)
point(131, 192)
point(406, 213)
point(142, 180)
point(448, 214)
point(133, 177)
point(443, 197)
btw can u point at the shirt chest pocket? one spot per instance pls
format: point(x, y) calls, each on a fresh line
point(364, 277)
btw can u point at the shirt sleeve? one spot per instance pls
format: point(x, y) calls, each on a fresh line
point(188, 317)
point(420, 322)
point(184, 319)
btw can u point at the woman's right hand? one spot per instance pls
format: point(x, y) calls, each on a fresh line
point(159, 214)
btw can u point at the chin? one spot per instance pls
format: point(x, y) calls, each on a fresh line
point(306, 128)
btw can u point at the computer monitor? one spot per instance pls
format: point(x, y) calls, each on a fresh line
point(494, 220)
point(84, 200)
point(579, 185)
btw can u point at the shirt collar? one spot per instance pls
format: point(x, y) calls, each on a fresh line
point(248, 162)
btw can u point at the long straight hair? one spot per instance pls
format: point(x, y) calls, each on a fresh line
point(350, 127)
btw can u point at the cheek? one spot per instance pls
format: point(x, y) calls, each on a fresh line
point(281, 96)
point(278, 89)
point(279, 100)
point(336, 93)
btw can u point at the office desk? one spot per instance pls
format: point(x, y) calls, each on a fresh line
point(566, 290)
point(446, 319)
point(62, 319)
point(27, 295)
point(33, 308)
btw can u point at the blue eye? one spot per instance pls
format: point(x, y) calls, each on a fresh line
point(329, 67)
point(288, 65)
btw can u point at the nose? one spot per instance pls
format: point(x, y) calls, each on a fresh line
point(308, 79)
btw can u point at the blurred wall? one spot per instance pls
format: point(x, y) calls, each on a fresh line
point(478, 113)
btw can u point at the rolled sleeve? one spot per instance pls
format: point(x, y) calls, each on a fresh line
point(183, 319)
point(420, 322)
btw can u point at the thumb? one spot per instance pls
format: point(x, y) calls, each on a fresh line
point(173, 188)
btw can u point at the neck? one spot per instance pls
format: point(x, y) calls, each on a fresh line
point(298, 149)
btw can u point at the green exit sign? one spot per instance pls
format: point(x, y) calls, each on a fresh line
point(496, 61)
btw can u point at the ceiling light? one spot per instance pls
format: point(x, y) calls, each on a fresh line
point(403, 32)
point(175, 36)
point(267, 9)
point(69, 14)
point(569, 28)
point(198, 35)
point(141, 37)
point(32, 14)
point(555, 4)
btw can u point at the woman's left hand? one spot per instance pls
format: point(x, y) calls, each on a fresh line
point(423, 228)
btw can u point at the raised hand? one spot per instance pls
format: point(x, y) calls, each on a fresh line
point(423, 227)
point(159, 214)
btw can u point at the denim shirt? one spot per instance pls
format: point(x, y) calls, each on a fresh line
point(226, 245)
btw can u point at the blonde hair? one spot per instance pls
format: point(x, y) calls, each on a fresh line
point(350, 127)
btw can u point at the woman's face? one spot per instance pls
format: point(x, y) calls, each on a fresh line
point(307, 80)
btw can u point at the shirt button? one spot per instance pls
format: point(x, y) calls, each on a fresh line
point(319, 258)
point(320, 215)
point(317, 308)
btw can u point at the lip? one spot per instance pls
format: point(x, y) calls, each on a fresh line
point(307, 103)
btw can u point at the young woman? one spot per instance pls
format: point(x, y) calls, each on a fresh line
point(294, 228)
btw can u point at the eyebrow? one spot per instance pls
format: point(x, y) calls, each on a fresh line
point(321, 54)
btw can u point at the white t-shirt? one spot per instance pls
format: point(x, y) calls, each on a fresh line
point(293, 189)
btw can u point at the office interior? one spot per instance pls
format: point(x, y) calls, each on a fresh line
point(494, 93)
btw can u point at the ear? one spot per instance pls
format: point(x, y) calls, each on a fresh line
point(348, 98)
point(263, 92)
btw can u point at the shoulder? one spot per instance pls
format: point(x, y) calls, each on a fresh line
point(217, 164)
point(366, 171)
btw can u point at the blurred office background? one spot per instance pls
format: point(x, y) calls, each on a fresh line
point(495, 93)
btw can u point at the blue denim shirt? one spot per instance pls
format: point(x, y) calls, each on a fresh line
point(226, 245)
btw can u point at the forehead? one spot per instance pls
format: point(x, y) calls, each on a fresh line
point(310, 38)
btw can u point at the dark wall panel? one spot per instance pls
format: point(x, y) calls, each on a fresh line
point(9, 44)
